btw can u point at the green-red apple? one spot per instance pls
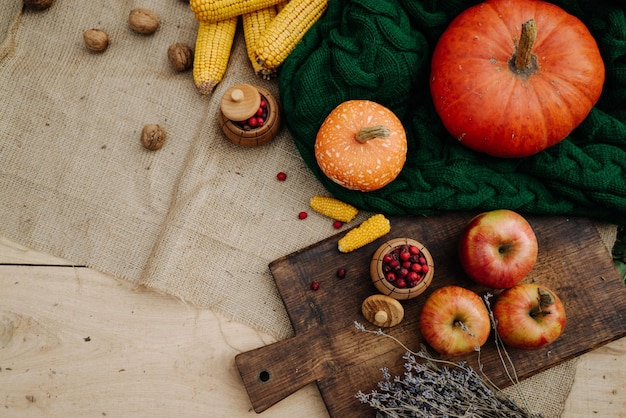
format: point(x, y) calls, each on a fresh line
point(529, 316)
point(454, 321)
point(498, 248)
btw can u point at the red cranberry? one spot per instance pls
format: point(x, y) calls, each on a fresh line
point(341, 273)
point(315, 285)
point(302, 215)
point(404, 266)
point(281, 176)
point(337, 224)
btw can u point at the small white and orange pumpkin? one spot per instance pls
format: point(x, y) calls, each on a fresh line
point(361, 145)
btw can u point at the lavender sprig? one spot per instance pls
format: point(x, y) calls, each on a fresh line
point(437, 388)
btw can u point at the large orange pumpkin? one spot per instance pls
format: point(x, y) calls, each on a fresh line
point(361, 145)
point(511, 78)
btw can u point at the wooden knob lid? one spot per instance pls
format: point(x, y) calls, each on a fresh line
point(382, 310)
point(240, 102)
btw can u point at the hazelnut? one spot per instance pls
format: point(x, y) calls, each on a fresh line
point(38, 4)
point(180, 56)
point(143, 21)
point(96, 40)
point(152, 137)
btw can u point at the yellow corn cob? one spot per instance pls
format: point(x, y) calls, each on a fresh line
point(211, 11)
point(281, 5)
point(254, 23)
point(213, 45)
point(370, 230)
point(286, 30)
point(333, 208)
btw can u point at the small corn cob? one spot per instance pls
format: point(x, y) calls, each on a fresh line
point(370, 230)
point(211, 11)
point(254, 23)
point(286, 30)
point(333, 208)
point(281, 5)
point(212, 52)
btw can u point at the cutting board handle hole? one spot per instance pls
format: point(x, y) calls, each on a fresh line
point(264, 376)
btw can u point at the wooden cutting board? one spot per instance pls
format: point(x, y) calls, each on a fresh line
point(328, 349)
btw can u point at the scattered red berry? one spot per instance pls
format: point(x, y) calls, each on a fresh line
point(281, 176)
point(337, 224)
point(302, 215)
point(315, 285)
point(341, 273)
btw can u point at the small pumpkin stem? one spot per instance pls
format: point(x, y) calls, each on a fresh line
point(371, 132)
point(524, 54)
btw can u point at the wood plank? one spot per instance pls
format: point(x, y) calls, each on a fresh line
point(75, 342)
point(55, 385)
point(13, 253)
point(573, 261)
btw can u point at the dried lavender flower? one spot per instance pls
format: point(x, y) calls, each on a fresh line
point(437, 388)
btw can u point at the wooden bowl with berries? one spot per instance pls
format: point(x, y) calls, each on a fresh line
point(249, 115)
point(402, 268)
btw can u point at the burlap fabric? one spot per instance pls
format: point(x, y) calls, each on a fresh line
point(199, 219)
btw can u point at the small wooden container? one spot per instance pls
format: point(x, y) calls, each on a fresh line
point(387, 288)
point(240, 103)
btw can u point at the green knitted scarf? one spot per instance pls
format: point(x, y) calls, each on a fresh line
point(380, 50)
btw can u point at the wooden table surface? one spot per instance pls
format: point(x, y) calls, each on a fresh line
point(76, 342)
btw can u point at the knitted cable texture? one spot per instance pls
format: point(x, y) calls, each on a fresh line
point(380, 50)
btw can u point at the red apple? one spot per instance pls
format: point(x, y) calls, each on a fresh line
point(454, 321)
point(529, 316)
point(498, 248)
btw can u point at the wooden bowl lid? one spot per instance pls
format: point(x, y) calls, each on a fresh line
point(240, 102)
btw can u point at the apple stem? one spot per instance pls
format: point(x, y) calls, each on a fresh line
point(539, 312)
point(545, 298)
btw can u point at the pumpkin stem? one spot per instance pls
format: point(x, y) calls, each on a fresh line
point(524, 61)
point(371, 132)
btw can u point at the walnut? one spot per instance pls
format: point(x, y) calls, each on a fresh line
point(143, 21)
point(152, 137)
point(180, 56)
point(38, 4)
point(96, 40)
